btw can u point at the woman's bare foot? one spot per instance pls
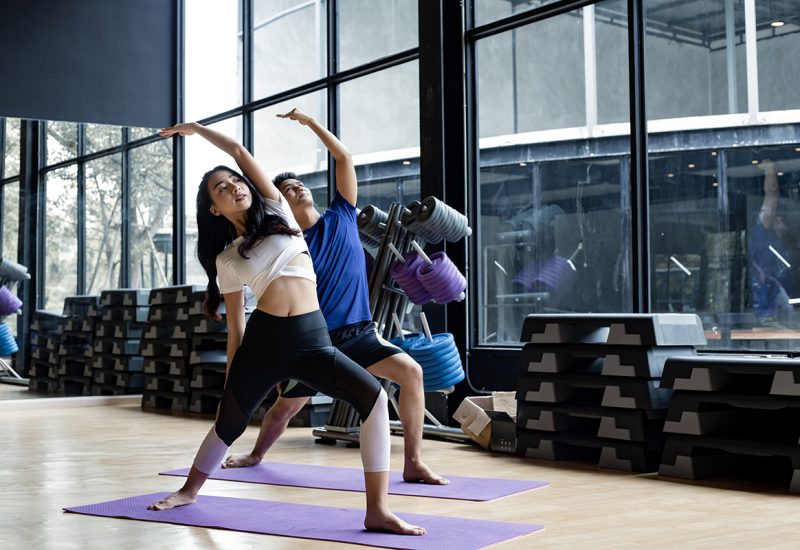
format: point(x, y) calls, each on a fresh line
point(389, 523)
point(418, 472)
point(240, 461)
point(173, 501)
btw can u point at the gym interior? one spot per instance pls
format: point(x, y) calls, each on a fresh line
point(575, 217)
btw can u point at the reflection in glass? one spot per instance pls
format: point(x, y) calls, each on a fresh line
point(61, 238)
point(289, 44)
point(213, 59)
point(140, 133)
point(12, 144)
point(398, 21)
point(778, 54)
point(151, 215)
point(487, 11)
point(62, 141)
point(103, 223)
point(696, 62)
point(553, 210)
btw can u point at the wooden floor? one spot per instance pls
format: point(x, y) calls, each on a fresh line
point(66, 456)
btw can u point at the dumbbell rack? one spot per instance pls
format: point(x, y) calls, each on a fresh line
point(589, 386)
point(733, 415)
point(384, 300)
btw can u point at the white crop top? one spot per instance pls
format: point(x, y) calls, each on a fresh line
point(266, 261)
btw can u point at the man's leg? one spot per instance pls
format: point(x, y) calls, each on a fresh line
point(274, 424)
point(403, 370)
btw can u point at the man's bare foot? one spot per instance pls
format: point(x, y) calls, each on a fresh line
point(240, 461)
point(173, 501)
point(418, 472)
point(389, 523)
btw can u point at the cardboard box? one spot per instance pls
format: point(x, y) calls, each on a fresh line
point(481, 416)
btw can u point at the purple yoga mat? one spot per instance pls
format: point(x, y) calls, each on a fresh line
point(311, 522)
point(352, 479)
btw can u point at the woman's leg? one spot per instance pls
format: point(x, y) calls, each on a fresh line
point(247, 384)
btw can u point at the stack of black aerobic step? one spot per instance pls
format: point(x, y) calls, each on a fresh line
point(118, 368)
point(589, 388)
point(208, 361)
point(166, 347)
point(733, 416)
point(43, 371)
point(75, 348)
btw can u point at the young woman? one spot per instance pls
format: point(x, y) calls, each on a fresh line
point(248, 235)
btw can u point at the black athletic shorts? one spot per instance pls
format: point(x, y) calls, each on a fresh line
point(358, 341)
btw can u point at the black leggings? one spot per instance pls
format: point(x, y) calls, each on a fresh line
point(279, 348)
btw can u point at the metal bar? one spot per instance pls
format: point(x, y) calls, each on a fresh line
point(179, 158)
point(127, 217)
point(590, 66)
point(525, 18)
point(730, 56)
point(751, 51)
point(639, 169)
point(247, 71)
point(332, 23)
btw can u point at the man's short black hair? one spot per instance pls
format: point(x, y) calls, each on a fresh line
point(283, 176)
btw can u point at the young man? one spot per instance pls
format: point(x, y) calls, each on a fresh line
point(344, 299)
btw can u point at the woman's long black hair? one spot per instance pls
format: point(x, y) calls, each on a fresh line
point(214, 233)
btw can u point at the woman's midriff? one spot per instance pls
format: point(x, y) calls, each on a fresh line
point(288, 296)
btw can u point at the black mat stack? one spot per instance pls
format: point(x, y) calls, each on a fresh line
point(589, 386)
point(118, 368)
point(166, 347)
point(45, 340)
point(733, 416)
point(75, 349)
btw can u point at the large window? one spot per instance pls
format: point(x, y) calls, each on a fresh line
point(60, 237)
point(553, 223)
point(62, 141)
point(289, 44)
point(10, 220)
point(201, 157)
point(724, 205)
point(213, 57)
point(151, 215)
point(103, 223)
point(11, 148)
point(101, 136)
point(397, 20)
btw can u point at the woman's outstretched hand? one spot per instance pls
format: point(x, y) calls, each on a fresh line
point(185, 129)
point(298, 115)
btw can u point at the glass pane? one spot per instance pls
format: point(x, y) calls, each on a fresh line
point(379, 115)
point(139, 133)
point(201, 157)
point(62, 141)
point(553, 212)
point(61, 237)
point(398, 21)
point(778, 54)
point(12, 144)
point(695, 58)
point(213, 59)
point(283, 145)
point(10, 220)
point(101, 136)
point(532, 78)
point(151, 215)
point(487, 11)
point(289, 44)
point(103, 223)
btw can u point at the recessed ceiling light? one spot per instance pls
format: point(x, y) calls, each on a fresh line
point(406, 162)
point(780, 173)
point(777, 23)
point(713, 153)
point(691, 165)
point(715, 184)
point(797, 149)
point(670, 175)
point(523, 164)
point(755, 162)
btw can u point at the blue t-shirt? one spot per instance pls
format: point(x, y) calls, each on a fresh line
point(340, 266)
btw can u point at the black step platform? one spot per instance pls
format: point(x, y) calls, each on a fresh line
point(660, 329)
point(174, 294)
point(753, 375)
point(125, 297)
point(165, 401)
